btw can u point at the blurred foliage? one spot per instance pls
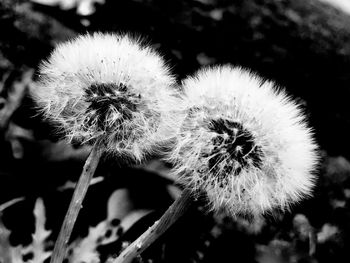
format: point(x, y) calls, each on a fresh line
point(83, 7)
point(303, 45)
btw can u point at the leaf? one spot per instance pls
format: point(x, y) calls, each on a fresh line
point(10, 203)
point(301, 226)
point(5, 247)
point(8, 254)
point(328, 232)
point(16, 254)
point(84, 7)
point(14, 96)
point(37, 247)
point(16, 136)
point(84, 250)
point(119, 207)
point(71, 185)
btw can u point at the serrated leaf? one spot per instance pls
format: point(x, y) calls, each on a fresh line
point(84, 250)
point(37, 247)
point(8, 254)
point(16, 254)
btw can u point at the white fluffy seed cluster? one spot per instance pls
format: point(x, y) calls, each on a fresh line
point(243, 142)
point(233, 136)
point(109, 89)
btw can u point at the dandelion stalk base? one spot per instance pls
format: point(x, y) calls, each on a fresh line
point(75, 205)
point(174, 212)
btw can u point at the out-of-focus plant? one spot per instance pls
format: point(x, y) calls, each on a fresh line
point(37, 248)
point(83, 7)
point(82, 249)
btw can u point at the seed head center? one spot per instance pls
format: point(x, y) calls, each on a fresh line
point(234, 148)
point(110, 104)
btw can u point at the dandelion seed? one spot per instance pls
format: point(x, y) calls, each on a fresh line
point(243, 142)
point(107, 89)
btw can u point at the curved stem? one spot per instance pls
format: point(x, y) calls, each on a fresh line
point(75, 205)
point(174, 212)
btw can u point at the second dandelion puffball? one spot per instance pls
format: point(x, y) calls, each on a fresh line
point(109, 89)
point(243, 142)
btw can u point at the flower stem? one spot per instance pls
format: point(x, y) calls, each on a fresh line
point(174, 212)
point(75, 205)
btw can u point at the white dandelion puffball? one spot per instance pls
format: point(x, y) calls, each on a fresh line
point(243, 142)
point(109, 89)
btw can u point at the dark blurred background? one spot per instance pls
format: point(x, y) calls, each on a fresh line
point(303, 46)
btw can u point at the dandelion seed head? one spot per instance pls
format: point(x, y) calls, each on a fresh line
point(244, 142)
point(110, 89)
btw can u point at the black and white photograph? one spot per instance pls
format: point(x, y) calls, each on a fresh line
point(174, 131)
